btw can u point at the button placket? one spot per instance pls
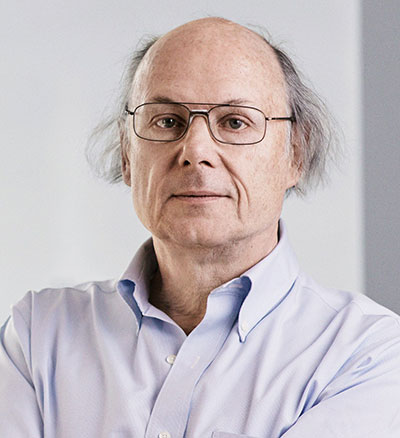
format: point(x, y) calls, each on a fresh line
point(195, 355)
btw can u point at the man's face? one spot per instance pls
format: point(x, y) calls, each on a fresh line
point(195, 191)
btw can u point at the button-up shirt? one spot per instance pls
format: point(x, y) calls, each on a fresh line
point(276, 355)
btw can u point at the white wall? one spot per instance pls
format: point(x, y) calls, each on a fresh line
point(60, 66)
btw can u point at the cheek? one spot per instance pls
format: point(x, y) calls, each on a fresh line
point(140, 177)
point(267, 183)
point(147, 178)
point(142, 164)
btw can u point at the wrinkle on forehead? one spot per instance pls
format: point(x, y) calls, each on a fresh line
point(208, 42)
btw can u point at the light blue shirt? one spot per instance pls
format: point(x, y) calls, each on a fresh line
point(276, 355)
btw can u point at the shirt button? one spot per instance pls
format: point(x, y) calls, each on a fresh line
point(170, 359)
point(164, 435)
point(244, 326)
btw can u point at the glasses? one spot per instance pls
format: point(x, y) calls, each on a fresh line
point(229, 124)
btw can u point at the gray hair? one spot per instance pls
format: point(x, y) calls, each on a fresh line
point(313, 138)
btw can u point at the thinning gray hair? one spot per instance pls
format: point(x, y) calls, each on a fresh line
point(313, 137)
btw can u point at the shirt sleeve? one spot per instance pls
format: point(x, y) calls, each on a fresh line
point(20, 416)
point(363, 398)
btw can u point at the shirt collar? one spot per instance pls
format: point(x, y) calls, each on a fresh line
point(133, 285)
point(269, 281)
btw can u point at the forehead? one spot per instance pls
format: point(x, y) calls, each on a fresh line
point(211, 61)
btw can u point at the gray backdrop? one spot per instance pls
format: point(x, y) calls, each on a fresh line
point(381, 129)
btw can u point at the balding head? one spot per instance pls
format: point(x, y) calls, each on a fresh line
point(212, 52)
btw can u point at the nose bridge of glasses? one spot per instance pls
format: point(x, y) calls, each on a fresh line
point(196, 113)
point(199, 113)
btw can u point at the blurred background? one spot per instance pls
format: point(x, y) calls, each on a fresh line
point(61, 64)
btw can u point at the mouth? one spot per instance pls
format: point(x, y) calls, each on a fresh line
point(198, 196)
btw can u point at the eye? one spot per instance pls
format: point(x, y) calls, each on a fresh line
point(233, 123)
point(168, 122)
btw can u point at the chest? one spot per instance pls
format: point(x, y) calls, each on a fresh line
point(156, 382)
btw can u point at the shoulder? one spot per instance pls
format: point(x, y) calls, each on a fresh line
point(66, 303)
point(338, 300)
point(63, 319)
point(349, 317)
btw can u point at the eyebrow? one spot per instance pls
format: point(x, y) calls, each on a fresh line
point(165, 99)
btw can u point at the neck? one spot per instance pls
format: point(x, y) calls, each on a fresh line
point(187, 275)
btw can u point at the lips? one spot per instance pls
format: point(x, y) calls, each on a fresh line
point(198, 194)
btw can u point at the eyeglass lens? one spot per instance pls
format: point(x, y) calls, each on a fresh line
point(232, 124)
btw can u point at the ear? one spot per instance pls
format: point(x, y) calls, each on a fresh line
point(125, 154)
point(296, 159)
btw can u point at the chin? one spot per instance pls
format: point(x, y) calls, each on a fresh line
point(193, 235)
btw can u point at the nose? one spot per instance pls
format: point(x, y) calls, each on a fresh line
point(198, 145)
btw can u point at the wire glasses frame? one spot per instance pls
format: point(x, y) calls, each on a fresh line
point(231, 112)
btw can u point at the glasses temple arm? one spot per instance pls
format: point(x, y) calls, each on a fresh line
point(291, 119)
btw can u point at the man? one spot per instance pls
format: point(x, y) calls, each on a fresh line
point(213, 330)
